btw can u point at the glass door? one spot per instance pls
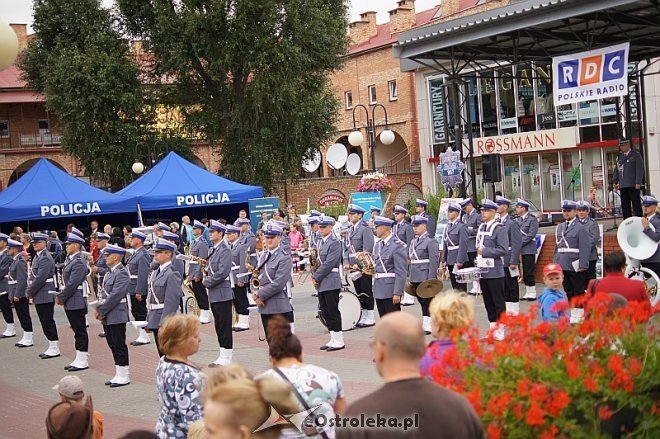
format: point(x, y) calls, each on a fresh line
point(594, 177)
point(512, 189)
point(551, 178)
point(571, 177)
point(531, 179)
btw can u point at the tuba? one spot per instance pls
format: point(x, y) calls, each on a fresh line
point(365, 263)
point(314, 258)
point(632, 240)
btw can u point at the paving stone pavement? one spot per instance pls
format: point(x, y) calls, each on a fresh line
point(26, 381)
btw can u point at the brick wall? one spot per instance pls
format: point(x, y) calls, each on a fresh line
point(460, 8)
point(362, 30)
point(403, 17)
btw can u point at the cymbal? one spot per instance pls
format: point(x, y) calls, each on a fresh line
point(429, 288)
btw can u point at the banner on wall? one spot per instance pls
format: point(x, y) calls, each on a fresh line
point(259, 205)
point(365, 200)
point(595, 74)
point(437, 101)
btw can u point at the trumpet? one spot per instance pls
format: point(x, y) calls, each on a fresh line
point(192, 259)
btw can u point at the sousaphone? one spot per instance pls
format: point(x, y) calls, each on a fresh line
point(633, 241)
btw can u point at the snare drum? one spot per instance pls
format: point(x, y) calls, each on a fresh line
point(467, 275)
point(350, 309)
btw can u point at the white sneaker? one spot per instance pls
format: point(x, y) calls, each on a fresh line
point(530, 293)
point(143, 338)
point(52, 351)
point(224, 359)
point(204, 316)
point(121, 377)
point(80, 363)
point(336, 341)
point(369, 319)
point(26, 341)
point(407, 300)
point(10, 331)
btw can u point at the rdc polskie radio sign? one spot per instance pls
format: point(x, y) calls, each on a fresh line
point(595, 74)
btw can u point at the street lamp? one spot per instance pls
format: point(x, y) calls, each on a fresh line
point(138, 167)
point(386, 136)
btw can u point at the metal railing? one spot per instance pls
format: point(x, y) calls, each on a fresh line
point(400, 163)
point(23, 140)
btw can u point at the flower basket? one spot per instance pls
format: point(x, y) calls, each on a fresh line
point(375, 182)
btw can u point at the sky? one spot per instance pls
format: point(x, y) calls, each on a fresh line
point(20, 11)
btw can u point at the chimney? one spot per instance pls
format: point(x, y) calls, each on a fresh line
point(21, 33)
point(403, 17)
point(363, 30)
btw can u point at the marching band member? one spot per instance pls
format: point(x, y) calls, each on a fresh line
point(5, 305)
point(572, 253)
point(75, 303)
point(200, 249)
point(248, 238)
point(360, 238)
point(165, 291)
point(391, 261)
point(420, 209)
point(41, 290)
point(529, 227)
point(218, 282)
point(512, 257)
point(403, 231)
point(285, 245)
point(112, 311)
point(328, 283)
point(80, 234)
point(583, 211)
point(651, 224)
point(492, 245)
point(313, 222)
point(138, 269)
point(239, 276)
point(472, 220)
point(157, 233)
point(18, 277)
point(454, 245)
point(99, 268)
point(374, 211)
point(275, 268)
point(177, 264)
point(424, 258)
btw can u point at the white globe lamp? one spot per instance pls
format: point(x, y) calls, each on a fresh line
point(8, 46)
point(387, 137)
point(355, 138)
point(137, 167)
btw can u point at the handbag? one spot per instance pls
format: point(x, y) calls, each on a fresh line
point(304, 404)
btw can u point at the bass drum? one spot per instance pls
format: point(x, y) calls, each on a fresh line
point(350, 309)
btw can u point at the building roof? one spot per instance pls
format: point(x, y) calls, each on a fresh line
point(11, 78)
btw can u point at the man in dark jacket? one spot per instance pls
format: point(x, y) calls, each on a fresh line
point(628, 177)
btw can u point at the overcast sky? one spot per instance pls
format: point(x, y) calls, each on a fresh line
point(20, 11)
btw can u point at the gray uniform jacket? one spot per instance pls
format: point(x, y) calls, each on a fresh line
point(114, 306)
point(512, 257)
point(391, 260)
point(17, 278)
point(361, 239)
point(594, 233)
point(455, 244)
point(5, 263)
point(529, 227)
point(329, 259)
point(430, 226)
point(285, 244)
point(249, 240)
point(573, 244)
point(404, 232)
point(629, 170)
point(654, 235)
point(179, 265)
point(472, 221)
point(74, 274)
point(41, 278)
point(426, 251)
point(200, 249)
point(495, 241)
point(217, 278)
point(164, 295)
point(238, 257)
point(101, 265)
point(275, 273)
point(138, 270)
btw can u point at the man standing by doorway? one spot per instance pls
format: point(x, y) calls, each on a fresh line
point(628, 177)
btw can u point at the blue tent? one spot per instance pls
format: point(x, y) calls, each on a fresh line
point(176, 183)
point(47, 192)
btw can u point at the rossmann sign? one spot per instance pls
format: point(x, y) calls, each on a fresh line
point(595, 74)
point(533, 141)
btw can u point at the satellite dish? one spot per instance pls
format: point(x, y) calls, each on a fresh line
point(353, 164)
point(312, 164)
point(336, 156)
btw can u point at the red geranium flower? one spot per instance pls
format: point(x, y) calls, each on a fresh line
point(534, 415)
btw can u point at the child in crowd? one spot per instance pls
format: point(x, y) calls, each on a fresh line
point(553, 295)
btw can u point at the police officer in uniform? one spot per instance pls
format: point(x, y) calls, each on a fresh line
point(327, 282)
point(572, 253)
point(472, 220)
point(178, 264)
point(420, 209)
point(138, 269)
point(248, 238)
point(285, 245)
point(112, 311)
point(403, 231)
point(455, 245)
point(492, 246)
point(240, 251)
point(200, 249)
point(391, 261)
point(360, 238)
point(165, 291)
point(41, 289)
point(374, 211)
point(5, 305)
point(218, 282)
point(583, 211)
point(75, 303)
point(424, 259)
point(17, 286)
point(100, 268)
point(651, 223)
point(512, 258)
point(628, 177)
point(529, 227)
point(275, 268)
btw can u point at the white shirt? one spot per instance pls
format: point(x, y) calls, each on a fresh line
point(162, 267)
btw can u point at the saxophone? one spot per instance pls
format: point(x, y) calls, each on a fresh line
point(254, 282)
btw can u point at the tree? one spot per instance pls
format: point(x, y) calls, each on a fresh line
point(82, 65)
point(252, 75)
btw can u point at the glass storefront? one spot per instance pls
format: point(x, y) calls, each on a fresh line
point(531, 179)
point(512, 177)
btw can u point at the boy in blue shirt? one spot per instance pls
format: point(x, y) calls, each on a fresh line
point(553, 277)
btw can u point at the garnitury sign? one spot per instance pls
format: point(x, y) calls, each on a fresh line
point(533, 141)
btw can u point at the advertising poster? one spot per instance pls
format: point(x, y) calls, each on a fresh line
point(365, 200)
point(258, 205)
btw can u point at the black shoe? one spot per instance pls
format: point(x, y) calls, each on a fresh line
point(47, 357)
point(7, 336)
point(324, 347)
point(18, 345)
point(427, 332)
point(365, 325)
point(315, 294)
point(330, 349)
point(102, 335)
point(107, 383)
point(139, 343)
point(241, 329)
point(75, 369)
point(115, 385)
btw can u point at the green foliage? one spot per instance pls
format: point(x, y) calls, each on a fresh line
point(79, 61)
point(333, 210)
point(433, 207)
point(252, 75)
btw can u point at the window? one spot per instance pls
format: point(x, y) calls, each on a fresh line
point(394, 93)
point(372, 94)
point(348, 99)
point(4, 128)
point(508, 103)
point(545, 109)
point(43, 125)
point(488, 102)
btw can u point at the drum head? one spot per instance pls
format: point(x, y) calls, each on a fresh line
point(350, 309)
point(429, 288)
